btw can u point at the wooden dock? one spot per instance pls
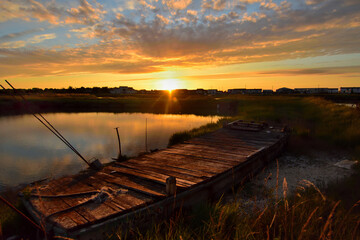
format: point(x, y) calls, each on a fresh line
point(88, 204)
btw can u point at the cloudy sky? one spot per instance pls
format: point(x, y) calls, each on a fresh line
point(187, 43)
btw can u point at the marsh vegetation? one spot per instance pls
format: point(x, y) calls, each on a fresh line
point(330, 211)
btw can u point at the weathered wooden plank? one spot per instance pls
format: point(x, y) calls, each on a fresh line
point(68, 185)
point(91, 211)
point(244, 141)
point(201, 163)
point(101, 181)
point(148, 175)
point(100, 210)
point(144, 177)
point(163, 163)
point(179, 176)
point(180, 162)
point(211, 142)
point(131, 200)
point(101, 186)
point(261, 137)
point(212, 159)
point(209, 150)
point(126, 200)
point(220, 142)
point(75, 185)
point(208, 158)
point(231, 148)
point(224, 133)
point(50, 206)
point(126, 182)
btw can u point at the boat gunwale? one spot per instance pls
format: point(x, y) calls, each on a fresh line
point(160, 205)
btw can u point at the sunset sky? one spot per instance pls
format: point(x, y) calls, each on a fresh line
point(189, 44)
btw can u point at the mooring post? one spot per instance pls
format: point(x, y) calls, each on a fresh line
point(146, 148)
point(117, 132)
point(170, 186)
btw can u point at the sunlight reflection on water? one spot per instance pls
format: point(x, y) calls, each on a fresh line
point(29, 152)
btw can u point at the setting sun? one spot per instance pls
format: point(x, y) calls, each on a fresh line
point(169, 84)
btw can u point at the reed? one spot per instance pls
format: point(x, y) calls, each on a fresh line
point(196, 132)
point(305, 214)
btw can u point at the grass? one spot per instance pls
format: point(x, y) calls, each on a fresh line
point(196, 132)
point(309, 118)
point(203, 105)
point(306, 214)
point(344, 190)
point(10, 222)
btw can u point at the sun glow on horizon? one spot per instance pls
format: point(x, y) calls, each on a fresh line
point(169, 84)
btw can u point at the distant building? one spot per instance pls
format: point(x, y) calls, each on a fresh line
point(350, 90)
point(180, 92)
point(316, 90)
point(143, 91)
point(253, 91)
point(333, 90)
point(237, 91)
point(123, 90)
point(201, 91)
point(268, 91)
point(212, 91)
point(285, 90)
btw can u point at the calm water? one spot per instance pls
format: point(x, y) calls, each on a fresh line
point(29, 152)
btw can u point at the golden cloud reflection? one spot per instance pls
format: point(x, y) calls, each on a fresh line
point(29, 152)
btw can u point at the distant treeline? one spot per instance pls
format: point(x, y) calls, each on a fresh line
point(153, 102)
point(125, 90)
point(84, 90)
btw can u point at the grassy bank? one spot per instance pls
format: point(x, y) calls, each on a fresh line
point(307, 214)
point(309, 117)
point(310, 213)
point(46, 103)
point(196, 132)
point(312, 120)
point(10, 222)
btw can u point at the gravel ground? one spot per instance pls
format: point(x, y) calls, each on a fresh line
point(318, 167)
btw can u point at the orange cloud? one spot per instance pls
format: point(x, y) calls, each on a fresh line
point(177, 34)
point(177, 4)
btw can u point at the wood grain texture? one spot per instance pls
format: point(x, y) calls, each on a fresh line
point(141, 181)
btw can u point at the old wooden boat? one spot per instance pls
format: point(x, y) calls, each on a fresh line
point(90, 204)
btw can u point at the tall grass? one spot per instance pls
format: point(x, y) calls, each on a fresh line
point(196, 132)
point(11, 223)
point(309, 118)
point(306, 214)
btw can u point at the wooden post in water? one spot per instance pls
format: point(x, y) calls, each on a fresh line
point(117, 132)
point(146, 149)
point(170, 186)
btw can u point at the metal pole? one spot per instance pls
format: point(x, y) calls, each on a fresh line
point(117, 132)
point(51, 127)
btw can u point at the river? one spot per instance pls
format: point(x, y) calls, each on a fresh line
point(29, 151)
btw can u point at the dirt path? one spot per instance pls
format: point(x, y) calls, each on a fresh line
point(317, 167)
